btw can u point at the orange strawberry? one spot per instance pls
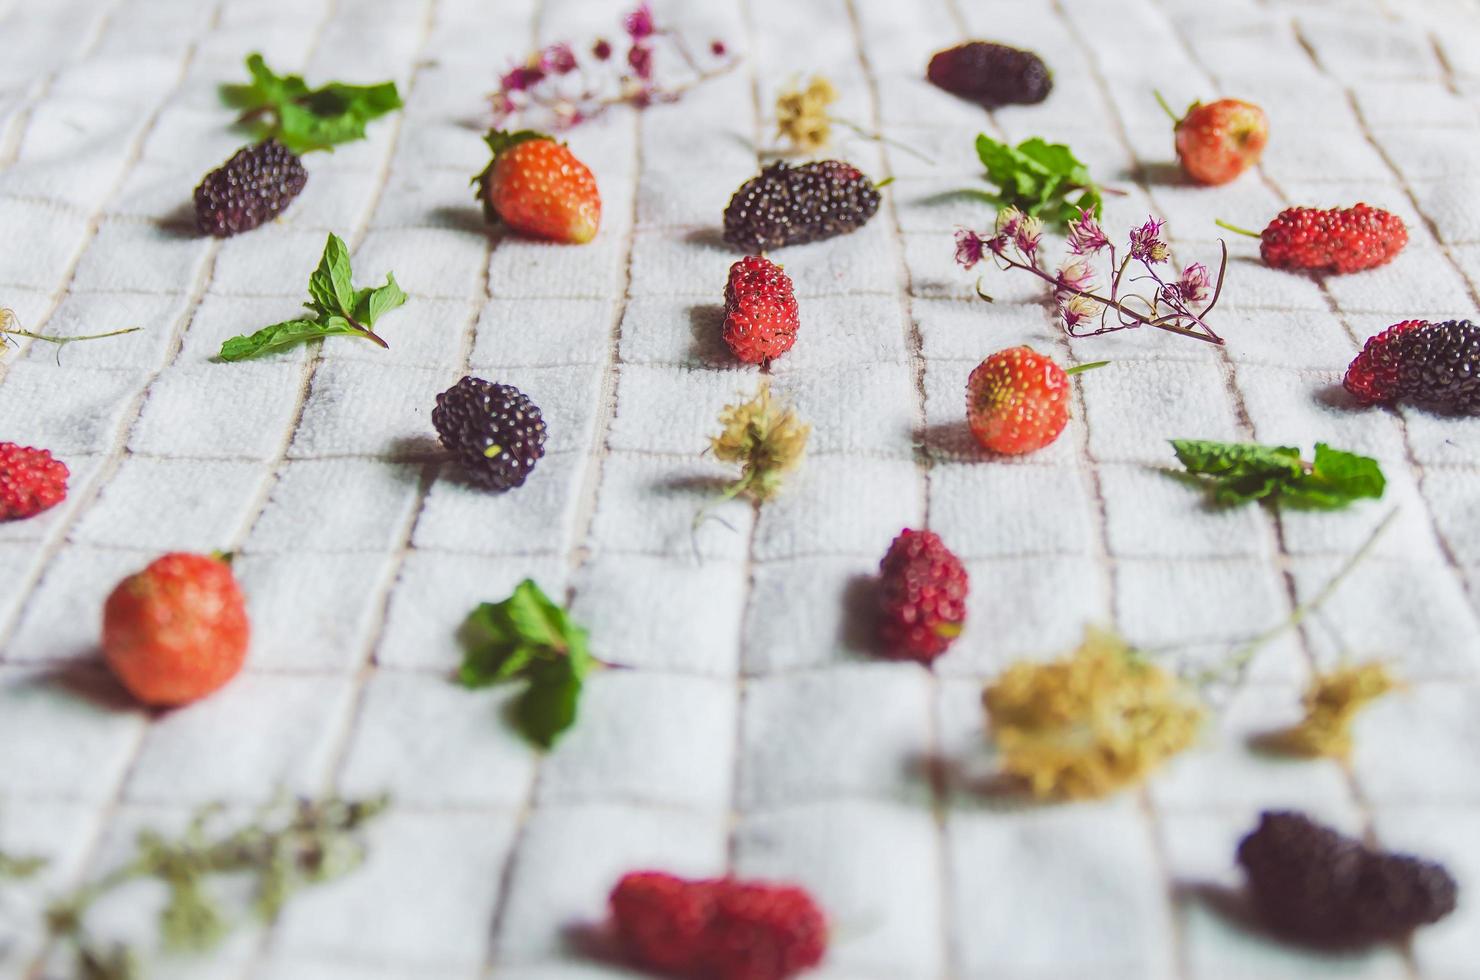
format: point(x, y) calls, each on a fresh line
point(537, 186)
point(1220, 140)
point(176, 631)
point(1017, 401)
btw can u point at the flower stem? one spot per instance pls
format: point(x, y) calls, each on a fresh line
point(68, 340)
point(1081, 368)
point(1166, 108)
point(1236, 229)
point(881, 138)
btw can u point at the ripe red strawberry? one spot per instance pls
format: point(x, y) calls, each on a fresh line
point(717, 929)
point(176, 631)
point(922, 597)
point(537, 186)
point(761, 317)
point(1219, 140)
point(1336, 240)
point(1017, 401)
point(30, 481)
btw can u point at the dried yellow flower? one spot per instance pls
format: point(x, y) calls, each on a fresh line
point(1331, 704)
point(1089, 723)
point(766, 439)
point(802, 118)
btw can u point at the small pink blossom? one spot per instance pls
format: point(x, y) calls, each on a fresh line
point(641, 60)
point(1146, 243)
point(558, 59)
point(969, 247)
point(1077, 310)
point(1086, 237)
point(1195, 284)
point(1075, 275)
point(602, 49)
point(1027, 236)
point(718, 49)
point(639, 23)
point(521, 78)
point(1008, 220)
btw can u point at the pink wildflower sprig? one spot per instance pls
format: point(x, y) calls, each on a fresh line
point(561, 85)
point(1177, 305)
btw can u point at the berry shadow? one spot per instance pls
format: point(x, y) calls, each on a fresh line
point(1234, 906)
point(90, 681)
point(858, 632)
point(711, 237)
point(1162, 173)
point(468, 219)
point(594, 942)
point(706, 330)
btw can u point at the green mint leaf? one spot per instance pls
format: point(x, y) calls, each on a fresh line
point(1235, 473)
point(370, 304)
point(528, 637)
point(304, 119)
point(330, 284)
point(548, 707)
point(1039, 178)
point(275, 337)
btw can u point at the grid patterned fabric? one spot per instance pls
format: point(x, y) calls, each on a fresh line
point(750, 734)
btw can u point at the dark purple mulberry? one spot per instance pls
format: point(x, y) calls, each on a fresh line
point(793, 205)
point(992, 74)
point(495, 431)
point(256, 185)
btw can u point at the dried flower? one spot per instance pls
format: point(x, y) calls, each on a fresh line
point(1195, 284)
point(556, 87)
point(1086, 237)
point(1079, 309)
point(1027, 236)
point(801, 114)
point(969, 247)
point(1075, 276)
point(1090, 723)
point(1008, 220)
point(767, 440)
point(1332, 703)
point(558, 59)
point(1146, 243)
point(639, 23)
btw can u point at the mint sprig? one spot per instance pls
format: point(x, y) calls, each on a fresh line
point(335, 308)
point(303, 118)
point(1039, 178)
point(1236, 473)
point(527, 637)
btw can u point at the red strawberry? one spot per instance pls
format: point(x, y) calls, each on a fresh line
point(1336, 240)
point(761, 317)
point(1220, 140)
point(30, 481)
point(1017, 401)
point(176, 631)
point(922, 597)
point(537, 186)
point(717, 929)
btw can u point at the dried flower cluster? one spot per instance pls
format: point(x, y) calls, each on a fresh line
point(1172, 304)
point(286, 848)
point(1089, 723)
point(767, 440)
point(559, 86)
point(802, 118)
point(1332, 703)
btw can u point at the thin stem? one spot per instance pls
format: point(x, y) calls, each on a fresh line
point(59, 341)
point(1239, 660)
point(1171, 114)
point(1081, 368)
point(1236, 229)
point(881, 138)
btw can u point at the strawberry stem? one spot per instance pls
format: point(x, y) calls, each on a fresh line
point(1236, 229)
point(1166, 108)
point(1081, 368)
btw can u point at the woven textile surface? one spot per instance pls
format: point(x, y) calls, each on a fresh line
point(750, 733)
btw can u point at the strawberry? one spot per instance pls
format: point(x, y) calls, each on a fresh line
point(922, 597)
point(1219, 140)
point(1335, 240)
point(1017, 401)
point(176, 631)
point(30, 481)
point(717, 929)
point(538, 187)
point(760, 311)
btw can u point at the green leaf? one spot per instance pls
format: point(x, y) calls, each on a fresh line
point(1236, 473)
point(330, 284)
point(1039, 178)
point(370, 304)
point(275, 337)
point(305, 119)
point(531, 638)
point(548, 707)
